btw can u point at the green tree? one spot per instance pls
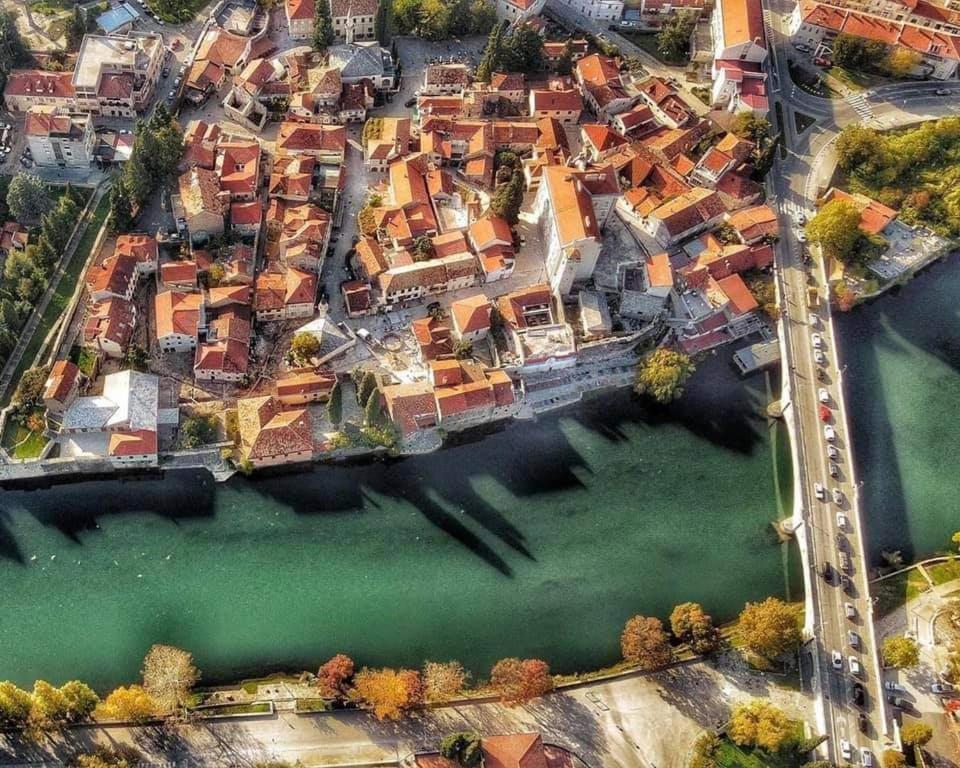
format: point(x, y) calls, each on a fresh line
point(335, 405)
point(121, 208)
point(57, 225)
point(565, 62)
point(849, 52)
point(105, 758)
point(956, 539)
point(15, 704)
point(30, 388)
point(662, 373)
point(463, 349)
point(49, 704)
point(901, 652)
point(463, 748)
point(836, 229)
point(423, 249)
point(691, 625)
point(198, 430)
point(13, 52)
point(77, 28)
point(508, 198)
point(27, 198)
point(857, 145)
point(483, 16)
point(524, 50)
point(304, 347)
point(492, 56)
point(136, 358)
point(748, 126)
point(769, 628)
point(368, 384)
point(673, 39)
point(79, 700)
point(916, 733)
point(373, 410)
point(322, 26)
point(900, 62)
point(759, 723)
point(435, 16)
point(406, 16)
point(644, 642)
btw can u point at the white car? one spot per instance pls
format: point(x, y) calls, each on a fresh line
point(837, 660)
point(801, 236)
point(854, 666)
point(942, 688)
point(823, 396)
point(866, 757)
point(817, 340)
point(849, 611)
point(819, 491)
point(842, 521)
point(895, 687)
point(829, 433)
point(846, 750)
point(818, 357)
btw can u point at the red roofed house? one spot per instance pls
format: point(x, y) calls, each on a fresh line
point(300, 15)
point(284, 295)
point(754, 223)
point(108, 326)
point(471, 317)
point(61, 386)
point(516, 11)
point(179, 317)
point(412, 407)
point(179, 275)
point(565, 106)
point(433, 338)
point(30, 87)
point(874, 217)
point(238, 165)
point(683, 216)
point(327, 143)
point(492, 240)
point(57, 137)
point(600, 141)
point(270, 435)
point(738, 33)
point(224, 353)
point(303, 388)
point(246, 218)
point(520, 750)
point(466, 393)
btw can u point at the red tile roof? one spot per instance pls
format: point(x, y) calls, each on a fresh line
point(471, 314)
point(63, 375)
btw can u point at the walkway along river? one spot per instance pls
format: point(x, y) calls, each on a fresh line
point(537, 539)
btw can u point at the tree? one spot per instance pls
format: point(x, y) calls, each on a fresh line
point(519, 680)
point(121, 209)
point(462, 349)
point(77, 28)
point(373, 410)
point(304, 347)
point(27, 198)
point(406, 16)
point(892, 759)
point(136, 358)
point(132, 704)
point(748, 126)
point(956, 539)
point(463, 748)
point(758, 723)
point(705, 750)
point(900, 62)
point(482, 15)
point(508, 198)
point(57, 225)
point(322, 26)
point(849, 52)
point(423, 249)
point(857, 145)
point(644, 642)
point(524, 50)
point(673, 39)
point(79, 699)
point(435, 16)
point(32, 383)
point(916, 733)
point(769, 628)
point(366, 385)
point(335, 405)
point(105, 758)
point(836, 229)
point(49, 705)
point(198, 430)
point(333, 677)
point(168, 676)
point(662, 373)
point(901, 652)
point(691, 625)
point(491, 57)
point(442, 681)
point(565, 62)
point(15, 704)
point(388, 692)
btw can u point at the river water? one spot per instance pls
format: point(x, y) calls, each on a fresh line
point(537, 539)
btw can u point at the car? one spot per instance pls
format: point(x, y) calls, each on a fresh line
point(942, 688)
point(841, 542)
point(846, 583)
point(842, 520)
point(823, 396)
point(942, 92)
point(829, 433)
point(898, 701)
point(814, 319)
point(410, 102)
point(801, 218)
point(866, 757)
point(863, 722)
point(837, 660)
point(819, 491)
point(889, 685)
point(833, 453)
point(821, 376)
point(801, 236)
point(822, 62)
point(160, 21)
point(854, 666)
point(183, 70)
point(837, 496)
point(827, 573)
point(844, 560)
point(853, 639)
point(858, 694)
point(818, 357)
point(172, 95)
point(817, 340)
point(833, 469)
point(849, 611)
point(846, 750)
point(165, 72)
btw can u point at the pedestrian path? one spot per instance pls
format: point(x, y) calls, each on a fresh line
point(860, 105)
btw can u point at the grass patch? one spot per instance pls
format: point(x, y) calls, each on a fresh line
point(254, 708)
point(313, 705)
point(20, 442)
point(647, 42)
point(249, 685)
point(61, 298)
point(941, 573)
point(702, 93)
point(892, 593)
point(855, 80)
point(85, 359)
point(730, 755)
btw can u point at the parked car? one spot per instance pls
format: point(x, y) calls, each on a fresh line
point(863, 722)
point(842, 521)
point(846, 583)
point(846, 750)
point(833, 453)
point(818, 357)
point(942, 688)
point(837, 496)
point(823, 396)
point(410, 102)
point(942, 92)
point(819, 491)
point(165, 72)
point(854, 666)
point(849, 611)
point(833, 469)
point(898, 701)
point(829, 433)
point(857, 693)
point(889, 685)
point(837, 660)
point(817, 340)
point(853, 639)
point(866, 757)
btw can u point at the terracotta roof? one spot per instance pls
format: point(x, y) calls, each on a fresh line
point(292, 286)
point(523, 750)
point(471, 314)
point(200, 192)
point(447, 74)
point(38, 82)
point(598, 70)
point(572, 206)
point(741, 300)
point(267, 431)
point(507, 81)
point(489, 230)
point(63, 375)
point(227, 346)
point(177, 313)
point(116, 86)
point(754, 222)
point(371, 257)
point(137, 443)
point(111, 320)
point(659, 271)
point(112, 275)
point(304, 137)
point(178, 272)
point(306, 383)
point(45, 120)
point(874, 217)
point(340, 8)
point(204, 74)
point(246, 213)
point(552, 134)
point(742, 22)
point(513, 306)
point(222, 47)
point(433, 337)
point(238, 163)
point(601, 137)
point(688, 210)
point(411, 406)
point(300, 10)
point(143, 248)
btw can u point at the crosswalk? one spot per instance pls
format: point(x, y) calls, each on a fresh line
point(860, 105)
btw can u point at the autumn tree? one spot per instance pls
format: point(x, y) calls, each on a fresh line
point(836, 229)
point(891, 758)
point(520, 680)
point(916, 733)
point(388, 692)
point(106, 758)
point(334, 676)
point(463, 748)
point(70, 703)
point(304, 347)
point(644, 642)
point(901, 652)
point(15, 704)
point(759, 723)
point(955, 539)
point(769, 628)
point(705, 751)
point(79, 700)
point(900, 62)
point(691, 625)
point(168, 676)
point(662, 373)
point(443, 680)
point(29, 390)
point(127, 703)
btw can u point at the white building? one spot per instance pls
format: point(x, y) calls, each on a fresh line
point(604, 10)
point(516, 11)
point(56, 137)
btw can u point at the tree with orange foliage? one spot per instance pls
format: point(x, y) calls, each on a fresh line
point(388, 692)
point(334, 675)
point(519, 680)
